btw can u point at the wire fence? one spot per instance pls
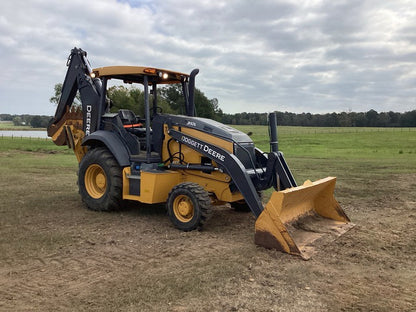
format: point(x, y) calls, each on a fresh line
point(346, 130)
point(287, 130)
point(23, 135)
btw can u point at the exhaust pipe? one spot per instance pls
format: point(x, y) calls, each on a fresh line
point(191, 88)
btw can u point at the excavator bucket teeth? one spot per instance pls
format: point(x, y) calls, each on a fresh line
point(298, 219)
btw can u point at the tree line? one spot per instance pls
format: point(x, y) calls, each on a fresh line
point(370, 118)
point(351, 119)
point(170, 100)
point(34, 121)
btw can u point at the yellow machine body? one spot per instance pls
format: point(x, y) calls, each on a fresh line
point(156, 185)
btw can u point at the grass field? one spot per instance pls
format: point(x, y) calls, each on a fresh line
point(56, 255)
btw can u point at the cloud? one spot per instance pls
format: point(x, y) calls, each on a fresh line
point(300, 56)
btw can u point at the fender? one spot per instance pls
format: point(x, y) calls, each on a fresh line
point(112, 142)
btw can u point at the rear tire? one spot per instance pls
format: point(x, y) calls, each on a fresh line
point(189, 206)
point(100, 180)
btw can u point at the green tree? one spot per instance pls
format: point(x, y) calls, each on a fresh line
point(57, 95)
point(17, 121)
point(173, 97)
point(121, 97)
point(408, 119)
point(137, 99)
point(36, 122)
point(204, 107)
point(372, 117)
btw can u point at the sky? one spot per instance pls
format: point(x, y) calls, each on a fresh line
point(317, 56)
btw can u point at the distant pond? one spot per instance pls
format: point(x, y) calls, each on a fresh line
point(24, 134)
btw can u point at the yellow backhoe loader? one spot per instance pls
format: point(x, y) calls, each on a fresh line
point(189, 163)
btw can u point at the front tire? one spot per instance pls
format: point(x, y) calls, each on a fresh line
point(100, 180)
point(189, 206)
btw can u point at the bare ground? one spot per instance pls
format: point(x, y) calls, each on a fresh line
point(56, 255)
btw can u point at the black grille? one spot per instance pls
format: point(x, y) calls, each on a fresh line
point(245, 153)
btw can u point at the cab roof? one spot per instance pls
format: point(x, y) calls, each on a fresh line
point(131, 74)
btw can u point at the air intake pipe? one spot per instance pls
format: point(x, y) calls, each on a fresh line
point(274, 147)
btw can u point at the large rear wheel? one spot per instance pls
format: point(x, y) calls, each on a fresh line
point(189, 206)
point(100, 180)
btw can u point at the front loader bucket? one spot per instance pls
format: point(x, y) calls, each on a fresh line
point(297, 219)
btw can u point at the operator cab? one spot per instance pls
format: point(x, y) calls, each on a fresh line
point(136, 131)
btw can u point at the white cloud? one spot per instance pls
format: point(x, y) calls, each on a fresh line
point(299, 56)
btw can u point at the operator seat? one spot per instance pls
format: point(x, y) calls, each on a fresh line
point(127, 117)
point(132, 124)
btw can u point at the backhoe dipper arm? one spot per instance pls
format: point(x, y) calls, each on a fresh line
point(78, 78)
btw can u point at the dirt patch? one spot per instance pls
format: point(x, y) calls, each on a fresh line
point(56, 255)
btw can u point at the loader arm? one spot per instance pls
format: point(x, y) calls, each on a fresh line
point(276, 172)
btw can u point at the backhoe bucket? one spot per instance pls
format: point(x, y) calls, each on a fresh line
point(297, 219)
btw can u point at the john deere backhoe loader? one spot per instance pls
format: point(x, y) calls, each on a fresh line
point(189, 163)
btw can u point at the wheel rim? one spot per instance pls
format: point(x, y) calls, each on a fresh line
point(183, 208)
point(95, 181)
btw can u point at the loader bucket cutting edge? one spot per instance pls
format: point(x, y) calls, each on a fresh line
point(298, 219)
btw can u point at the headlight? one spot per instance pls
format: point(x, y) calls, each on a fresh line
point(163, 75)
